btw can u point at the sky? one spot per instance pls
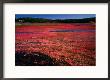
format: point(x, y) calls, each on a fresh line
point(56, 16)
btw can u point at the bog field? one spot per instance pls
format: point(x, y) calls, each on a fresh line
point(55, 44)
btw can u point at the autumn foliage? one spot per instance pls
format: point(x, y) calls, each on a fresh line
point(55, 44)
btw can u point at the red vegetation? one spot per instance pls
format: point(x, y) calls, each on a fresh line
point(75, 48)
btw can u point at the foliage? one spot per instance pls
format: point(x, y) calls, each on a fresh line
point(42, 20)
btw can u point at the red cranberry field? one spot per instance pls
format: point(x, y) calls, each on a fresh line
point(55, 44)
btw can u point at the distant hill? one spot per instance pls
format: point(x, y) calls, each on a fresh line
point(42, 20)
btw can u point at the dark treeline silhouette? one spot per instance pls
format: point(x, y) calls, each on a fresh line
point(43, 20)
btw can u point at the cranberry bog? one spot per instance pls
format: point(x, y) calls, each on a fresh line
point(55, 44)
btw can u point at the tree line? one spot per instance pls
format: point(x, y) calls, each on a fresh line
point(43, 20)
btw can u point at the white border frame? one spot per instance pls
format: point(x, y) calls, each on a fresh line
point(98, 71)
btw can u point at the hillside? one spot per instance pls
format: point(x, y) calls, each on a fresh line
point(42, 20)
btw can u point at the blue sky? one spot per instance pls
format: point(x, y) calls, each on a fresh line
point(56, 16)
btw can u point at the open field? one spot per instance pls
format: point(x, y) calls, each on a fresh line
point(55, 44)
